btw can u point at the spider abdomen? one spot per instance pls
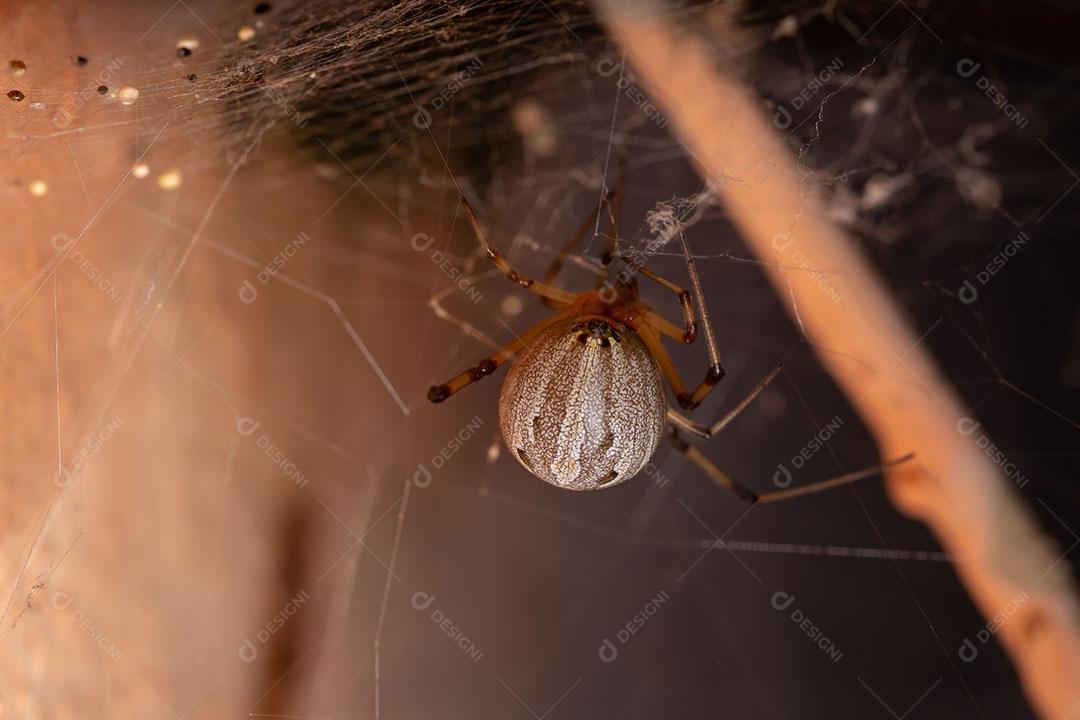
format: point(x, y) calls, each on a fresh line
point(583, 406)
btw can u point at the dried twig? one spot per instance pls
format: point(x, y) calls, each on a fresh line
point(869, 346)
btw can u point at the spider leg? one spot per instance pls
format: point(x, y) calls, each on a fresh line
point(707, 432)
point(651, 337)
point(557, 262)
point(844, 479)
point(558, 296)
point(719, 476)
point(649, 326)
point(438, 393)
point(724, 480)
point(615, 206)
point(715, 372)
point(689, 332)
point(435, 303)
point(612, 201)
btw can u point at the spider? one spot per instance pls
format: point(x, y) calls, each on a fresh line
point(583, 408)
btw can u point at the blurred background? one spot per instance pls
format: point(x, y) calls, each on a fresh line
point(231, 267)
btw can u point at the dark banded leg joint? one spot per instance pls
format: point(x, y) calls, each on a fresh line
point(715, 374)
point(438, 393)
point(751, 498)
point(485, 368)
point(676, 440)
point(686, 401)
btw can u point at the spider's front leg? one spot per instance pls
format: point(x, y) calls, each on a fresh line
point(688, 400)
point(649, 327)
point(438, 393)
point(557, 296)
point(612, 201)
point(560, 298)
point(603, 271)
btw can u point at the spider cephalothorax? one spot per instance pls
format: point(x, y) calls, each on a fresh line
point(583, 406)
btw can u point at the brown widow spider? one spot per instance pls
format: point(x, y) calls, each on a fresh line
point(583, 407)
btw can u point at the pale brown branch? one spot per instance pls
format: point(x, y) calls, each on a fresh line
point(868, 344)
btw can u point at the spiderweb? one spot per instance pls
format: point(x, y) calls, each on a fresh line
point(226, 492)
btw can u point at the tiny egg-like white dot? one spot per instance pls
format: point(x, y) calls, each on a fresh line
point(170, 179)
point(128, 94)
point(141, 170)
point(245, 33)
point(512, 305)
point(38, 188)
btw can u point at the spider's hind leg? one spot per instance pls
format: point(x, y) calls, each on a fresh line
point(724, 480)
point(706, 432)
